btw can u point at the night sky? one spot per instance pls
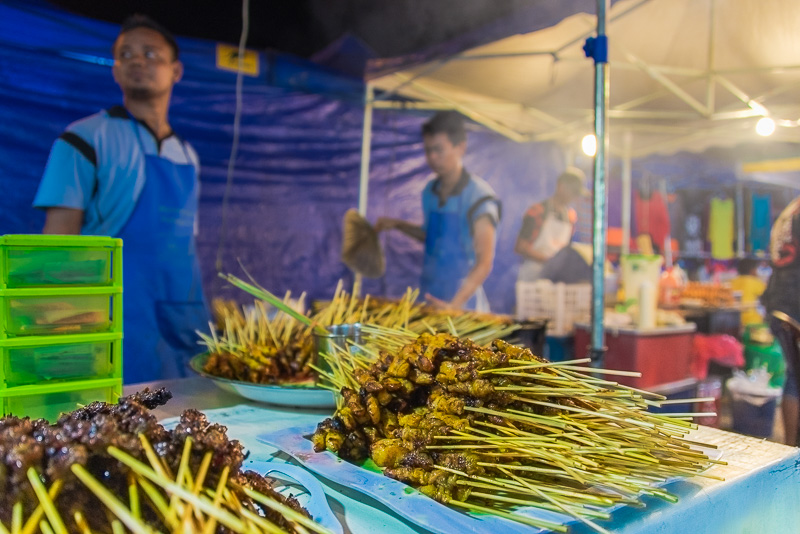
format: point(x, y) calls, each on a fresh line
point(302, 27)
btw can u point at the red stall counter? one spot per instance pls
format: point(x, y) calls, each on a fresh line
point(662, 354)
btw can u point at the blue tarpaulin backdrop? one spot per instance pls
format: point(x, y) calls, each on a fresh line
point(298, 162)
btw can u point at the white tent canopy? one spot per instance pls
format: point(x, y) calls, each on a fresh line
point(685, 75)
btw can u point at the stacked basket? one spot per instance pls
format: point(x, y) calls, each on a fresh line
point(60, 323)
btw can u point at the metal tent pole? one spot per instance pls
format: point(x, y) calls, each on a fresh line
point(626, 193)
point(366, 152)
point(597, 49)
point(366, 145)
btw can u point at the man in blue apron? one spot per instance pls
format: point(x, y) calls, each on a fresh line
point(123, 172)
point(461, 213)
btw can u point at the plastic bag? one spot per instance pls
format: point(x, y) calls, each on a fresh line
point(752, 387)
point(721, 348)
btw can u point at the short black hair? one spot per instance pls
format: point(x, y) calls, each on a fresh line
point(447, 122)
point(746, 265)
point(143, 21)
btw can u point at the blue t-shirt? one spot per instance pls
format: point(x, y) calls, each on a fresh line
point(98, 166)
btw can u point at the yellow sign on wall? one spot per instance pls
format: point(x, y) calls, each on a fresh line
point(773, 165)
point(228, 59)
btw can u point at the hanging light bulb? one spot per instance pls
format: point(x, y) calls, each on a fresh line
point(765, 126)
point(589, 145)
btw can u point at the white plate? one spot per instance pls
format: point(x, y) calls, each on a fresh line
point(297, 395)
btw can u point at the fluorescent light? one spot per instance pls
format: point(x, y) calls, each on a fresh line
point(589, 145)
point(765, 126)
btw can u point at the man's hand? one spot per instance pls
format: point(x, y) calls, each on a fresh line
point(483, 241)
point(385, 223)
point(437, 304)
point(525, 249)
point(411, 230)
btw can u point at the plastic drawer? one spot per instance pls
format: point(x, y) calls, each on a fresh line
point(37, 267)
point(28, 261)
point(80, 360)
point(57, 314)
point(50, 404)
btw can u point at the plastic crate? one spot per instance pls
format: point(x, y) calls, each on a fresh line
point(49, 401)
point(45, 359)
point(562, 304)
point(59, 260)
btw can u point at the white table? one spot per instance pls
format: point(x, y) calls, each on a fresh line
point(760, 493)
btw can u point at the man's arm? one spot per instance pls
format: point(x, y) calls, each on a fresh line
point(532, 224)
point(524, 248)
point(483, 240)
point(68, 179)
point(411, 230)
point(64, 221)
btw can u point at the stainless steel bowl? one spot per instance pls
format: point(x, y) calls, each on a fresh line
point(338, 335)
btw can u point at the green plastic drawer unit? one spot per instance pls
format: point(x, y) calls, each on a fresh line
point(48, 402)
point(42, 359)
point(37, 311)
point(59, 260)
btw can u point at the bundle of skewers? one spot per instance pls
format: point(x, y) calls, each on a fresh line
point(253, 345)
point(493, 429)
point(271, 342)
point(112, 469)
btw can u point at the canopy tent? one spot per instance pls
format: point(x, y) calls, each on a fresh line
point(298, 163)
point(685, 75)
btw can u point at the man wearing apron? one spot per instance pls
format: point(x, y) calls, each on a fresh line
point(123, 172)
point(461, 213)
point(547, 227)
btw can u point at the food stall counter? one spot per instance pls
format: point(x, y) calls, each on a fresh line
point(761, 486)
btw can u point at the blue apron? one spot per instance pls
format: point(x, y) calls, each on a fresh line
point(448, 259)
point(163, 298)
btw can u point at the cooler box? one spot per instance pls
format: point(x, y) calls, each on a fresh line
point(663, 354)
